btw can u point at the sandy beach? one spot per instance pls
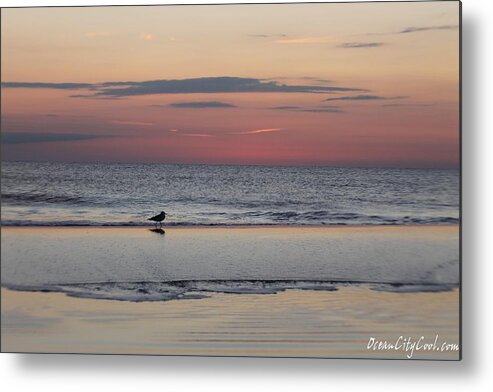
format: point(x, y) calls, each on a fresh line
point(294, 323)
point(369, 254)
point(287, 313)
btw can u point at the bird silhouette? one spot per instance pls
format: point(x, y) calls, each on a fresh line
point(158, 218)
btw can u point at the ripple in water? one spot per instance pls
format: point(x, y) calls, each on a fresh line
point(117, 194)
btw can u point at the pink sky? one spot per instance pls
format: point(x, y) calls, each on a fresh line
point(329, 84)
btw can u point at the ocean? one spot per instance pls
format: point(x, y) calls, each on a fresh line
point(102, 194)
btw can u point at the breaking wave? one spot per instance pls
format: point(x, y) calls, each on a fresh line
point(198, 289)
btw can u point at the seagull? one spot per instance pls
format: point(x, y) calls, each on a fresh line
point(158, 218)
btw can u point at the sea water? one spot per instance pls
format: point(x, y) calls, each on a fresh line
point(100, 194)
point(144, 265)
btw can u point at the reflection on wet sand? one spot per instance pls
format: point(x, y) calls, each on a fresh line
point(158, 231)
point(295, 323)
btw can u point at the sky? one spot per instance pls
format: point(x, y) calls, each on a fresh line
point(358, 84)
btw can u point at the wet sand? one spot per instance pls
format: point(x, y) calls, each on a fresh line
point(395, 254)
point(291, 322)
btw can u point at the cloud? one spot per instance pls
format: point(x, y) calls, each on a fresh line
point(266, 35)
point(32, 137)
point(205, 85)
point(286, 107)
point(305, 40)
point(414, 29)
point(139, 123)
point(89, 96)
point(196, 134)
point(202, 105)
point(315, 109)
point(293, 79)
point(355, 45)
point(208, 85)
point(189, 134)
point(319, 80)
point(56, 86)
point(257, 131)
point(320, 110)
point(363, 98)
point(392, 105)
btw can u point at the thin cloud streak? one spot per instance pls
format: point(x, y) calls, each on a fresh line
point(318, 80)
point(363, 98)
point(176, 131)
point(286, 107)
point(305, 40)
point(310, 109)
point(266, 35)
point(320, 110)
point(358, 45)
point(393, 105)
point(147, 124)
point(257, 131)
point(202, 105)
point(196, 134)
point(414, 29)
point(205, 85)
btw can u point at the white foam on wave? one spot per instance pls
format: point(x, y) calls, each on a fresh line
point(167, 291)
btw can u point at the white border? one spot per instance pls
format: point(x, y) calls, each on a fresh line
point(34, 373)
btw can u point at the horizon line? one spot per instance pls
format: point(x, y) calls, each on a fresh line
point(321, 165)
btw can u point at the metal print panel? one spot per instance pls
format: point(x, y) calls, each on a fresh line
point(276, 180)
